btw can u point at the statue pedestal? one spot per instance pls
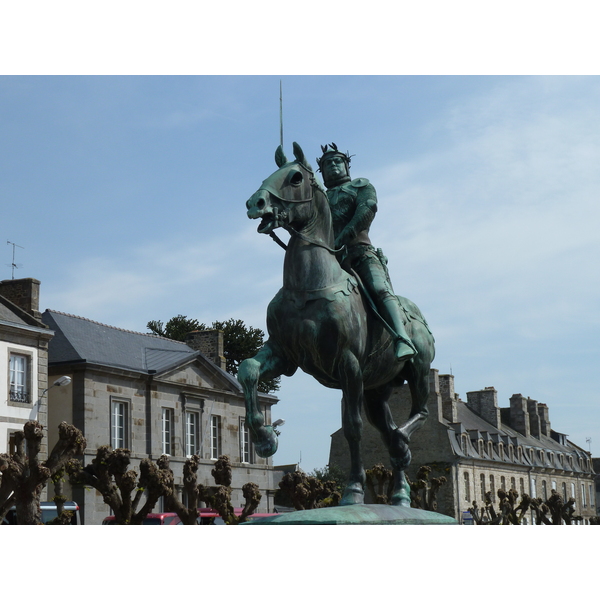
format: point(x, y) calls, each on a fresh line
point(357, 514)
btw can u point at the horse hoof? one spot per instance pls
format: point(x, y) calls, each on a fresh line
point(401, 495)
point(402, 501)
point(352, 496)
point(268, 445)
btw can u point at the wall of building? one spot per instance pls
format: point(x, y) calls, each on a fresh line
point(87, 404)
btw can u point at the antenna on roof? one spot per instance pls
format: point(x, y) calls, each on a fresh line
point(14, 265)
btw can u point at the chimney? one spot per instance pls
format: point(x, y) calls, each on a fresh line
point(449, 398)
point(543, 413)
point(485, 404)
point(25, 293)
point(534, 418)
point(519, 417)
point(210, 343)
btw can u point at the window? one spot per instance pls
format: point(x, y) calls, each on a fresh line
point(503, 483)
point(467, 488)
point(463, 444)
point(119, 433)
point(245, 444)
point(19, 379)
point(573, 491)
point(215, 437)
point(513, 484)
point(553, 486)
point(591, 495)
point(564, 492)
point(583, 498)
point(521, 487)
point(192, 433)
point(533, 488)
point(167, 431)
point(544, 490)
point(492, 486)
point(482, 484)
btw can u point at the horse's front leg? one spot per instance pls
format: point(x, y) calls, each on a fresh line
point(267, 364)
point(352, 387)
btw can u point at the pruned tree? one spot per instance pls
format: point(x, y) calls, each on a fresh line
point(120, 486)
point(423, 491)
point(552, 511)
point(307, 492)
point(379, 483)
point(217, 497)
point(24, 475)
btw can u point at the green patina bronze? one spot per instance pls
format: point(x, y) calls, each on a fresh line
point(358, 514)
point(323, 320)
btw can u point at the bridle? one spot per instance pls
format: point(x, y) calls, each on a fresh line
point(314, 185)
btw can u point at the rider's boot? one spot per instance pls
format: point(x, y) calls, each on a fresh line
point(403, 347)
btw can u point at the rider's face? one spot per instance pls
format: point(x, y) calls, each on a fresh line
point(333, 168)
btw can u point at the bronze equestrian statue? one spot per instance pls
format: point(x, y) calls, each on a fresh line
point(323, 321)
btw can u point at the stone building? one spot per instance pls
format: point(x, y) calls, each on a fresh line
point(480, 447)
point(23, 360)
point(154, 396)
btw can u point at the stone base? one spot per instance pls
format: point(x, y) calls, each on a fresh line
point(357, 514)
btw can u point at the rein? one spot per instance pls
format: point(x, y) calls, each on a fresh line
point(304, 238)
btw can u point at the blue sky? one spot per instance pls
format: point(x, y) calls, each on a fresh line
point(127, 195)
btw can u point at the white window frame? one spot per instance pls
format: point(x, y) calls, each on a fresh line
point(119, 423)
point(192, 433)
point(246, 448)
point(167, 419)
point(20, 381)
point(215, 437)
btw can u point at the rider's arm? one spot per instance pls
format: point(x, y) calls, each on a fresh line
point(366, 207)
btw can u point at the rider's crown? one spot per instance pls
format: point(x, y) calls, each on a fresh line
point(332, 150)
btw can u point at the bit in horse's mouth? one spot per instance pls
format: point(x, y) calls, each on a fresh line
point(267, 224)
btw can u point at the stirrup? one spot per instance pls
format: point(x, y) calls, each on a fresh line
point(403, 351)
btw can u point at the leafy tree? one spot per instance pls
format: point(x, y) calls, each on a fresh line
point(240, 341)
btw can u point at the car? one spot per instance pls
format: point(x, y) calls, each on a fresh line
point(49, 512)
point(151, 519)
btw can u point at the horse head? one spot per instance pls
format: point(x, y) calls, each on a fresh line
point(285, 198)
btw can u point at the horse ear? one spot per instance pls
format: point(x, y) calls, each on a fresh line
point(280, 158)
point(299, 154)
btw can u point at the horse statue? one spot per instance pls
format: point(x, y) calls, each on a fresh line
point(321, 322)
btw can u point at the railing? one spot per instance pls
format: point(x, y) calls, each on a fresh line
point(19, 397)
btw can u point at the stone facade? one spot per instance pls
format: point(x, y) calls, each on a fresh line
point(175, 401)
point(23, 360)
point(480, 447)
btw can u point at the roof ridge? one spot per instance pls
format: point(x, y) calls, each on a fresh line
point(151, 335)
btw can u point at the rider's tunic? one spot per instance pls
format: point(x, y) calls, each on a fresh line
point(353, 207)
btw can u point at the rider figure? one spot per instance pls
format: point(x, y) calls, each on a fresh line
point(353, 205)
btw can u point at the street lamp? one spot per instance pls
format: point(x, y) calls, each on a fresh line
point(64, 380)
point(61, 381)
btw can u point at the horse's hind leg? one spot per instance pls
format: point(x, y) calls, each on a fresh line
point(350, 377)
point(380, 416)
point(417, 375)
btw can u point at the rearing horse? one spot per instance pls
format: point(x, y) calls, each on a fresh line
point(320, 322)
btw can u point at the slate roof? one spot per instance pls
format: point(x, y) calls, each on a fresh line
point(469, 422)
point(12, 314)
point(80, 340)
